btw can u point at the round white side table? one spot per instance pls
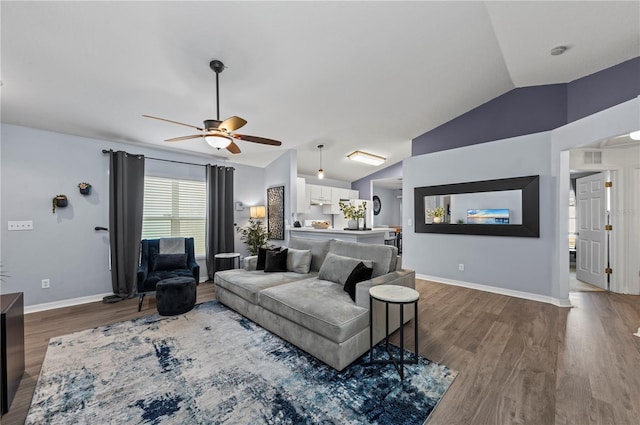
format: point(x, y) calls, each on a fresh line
point(400, 295)
point(226, 261)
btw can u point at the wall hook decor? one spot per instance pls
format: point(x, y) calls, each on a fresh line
point(85, 188)
point(59, 201)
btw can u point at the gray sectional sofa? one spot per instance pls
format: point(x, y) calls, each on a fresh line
point(315, 314)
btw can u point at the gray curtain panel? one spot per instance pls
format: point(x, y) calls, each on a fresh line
point(220, 230)
point(126, 191)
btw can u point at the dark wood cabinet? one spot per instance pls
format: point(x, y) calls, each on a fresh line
point(12, 341)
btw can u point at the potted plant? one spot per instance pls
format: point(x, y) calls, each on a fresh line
point(352, 213)
point(85, 188)
point(59, 201)
point(255, 235)
point(436, 214)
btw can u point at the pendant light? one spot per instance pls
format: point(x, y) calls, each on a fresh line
point(320, 170)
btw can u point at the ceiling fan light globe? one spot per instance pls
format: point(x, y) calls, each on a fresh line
point(217, 141)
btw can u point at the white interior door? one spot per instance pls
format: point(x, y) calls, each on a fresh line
point(590, 221)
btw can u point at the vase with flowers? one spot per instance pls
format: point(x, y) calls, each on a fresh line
point(353, 213)
point(436, 214)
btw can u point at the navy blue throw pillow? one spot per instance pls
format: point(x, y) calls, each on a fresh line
point(276, 261)
point(170, 262)
point(359, 274)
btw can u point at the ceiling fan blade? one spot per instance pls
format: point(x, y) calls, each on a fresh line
point(178, 139)
point(232, 124)
point(233, 148)
point(174, 122)
point(255, 139)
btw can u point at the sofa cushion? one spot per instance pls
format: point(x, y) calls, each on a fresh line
point(276, 261)
point(359, 274)
point(299, 260)
point(247, 284)
point(318, 248)
point(318, 305)
point(383, 256)
point(337, 268)
point(169, 262)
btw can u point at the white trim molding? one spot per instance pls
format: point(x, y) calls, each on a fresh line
point(64, 303)
point(495, 290)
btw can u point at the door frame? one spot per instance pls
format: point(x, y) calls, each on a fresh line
point(619, 119)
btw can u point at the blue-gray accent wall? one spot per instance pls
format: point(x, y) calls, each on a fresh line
point(530, 110)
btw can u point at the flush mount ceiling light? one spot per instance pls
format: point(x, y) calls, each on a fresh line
point(320, 170)
point(635, 135)
point(367, 158)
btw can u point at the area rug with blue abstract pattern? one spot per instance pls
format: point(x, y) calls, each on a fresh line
point(212, 366)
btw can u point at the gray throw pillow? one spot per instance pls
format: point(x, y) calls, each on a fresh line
point(299, 260)
point(337, 268)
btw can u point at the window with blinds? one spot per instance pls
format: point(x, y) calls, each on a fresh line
point(175, 208)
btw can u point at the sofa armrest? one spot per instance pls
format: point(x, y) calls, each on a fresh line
point(399, 277)
point(251, 262)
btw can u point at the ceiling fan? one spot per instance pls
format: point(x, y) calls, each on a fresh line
point(220, 134)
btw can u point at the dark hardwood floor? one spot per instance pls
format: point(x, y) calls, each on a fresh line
point(519, 361)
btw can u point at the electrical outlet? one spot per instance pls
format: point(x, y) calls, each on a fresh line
point(461, 267)
point(20, 225)
point(46, 283)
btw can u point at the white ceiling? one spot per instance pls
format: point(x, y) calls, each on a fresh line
point(349, 75)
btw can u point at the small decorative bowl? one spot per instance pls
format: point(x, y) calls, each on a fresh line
point(320, 225)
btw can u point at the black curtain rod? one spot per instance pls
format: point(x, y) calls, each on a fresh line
point(160, 159)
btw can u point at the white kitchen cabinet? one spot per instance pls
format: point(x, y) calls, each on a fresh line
point(320, 195)
point(340, 194)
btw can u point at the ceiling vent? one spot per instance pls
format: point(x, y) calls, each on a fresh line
point(593, 157)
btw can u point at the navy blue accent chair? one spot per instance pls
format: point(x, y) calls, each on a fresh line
point(155, 267)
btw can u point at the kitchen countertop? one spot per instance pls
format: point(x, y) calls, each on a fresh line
point(341, 231)
point(366, 236)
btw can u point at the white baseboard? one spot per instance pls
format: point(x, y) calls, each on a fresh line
point(502, 291)
point(73, 301)
point(65, 303)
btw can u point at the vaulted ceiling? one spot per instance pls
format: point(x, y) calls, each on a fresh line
point(349, 75)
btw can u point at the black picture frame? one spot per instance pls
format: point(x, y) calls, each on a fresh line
point(530, 227)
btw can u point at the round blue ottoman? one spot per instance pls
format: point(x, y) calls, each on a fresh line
point(176, 295)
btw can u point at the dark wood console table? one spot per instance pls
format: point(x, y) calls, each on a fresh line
point(12, 341)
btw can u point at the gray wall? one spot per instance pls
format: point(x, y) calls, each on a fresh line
point(390, 211)
point(511, 263)
point(63, 247)
point(283, 171)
